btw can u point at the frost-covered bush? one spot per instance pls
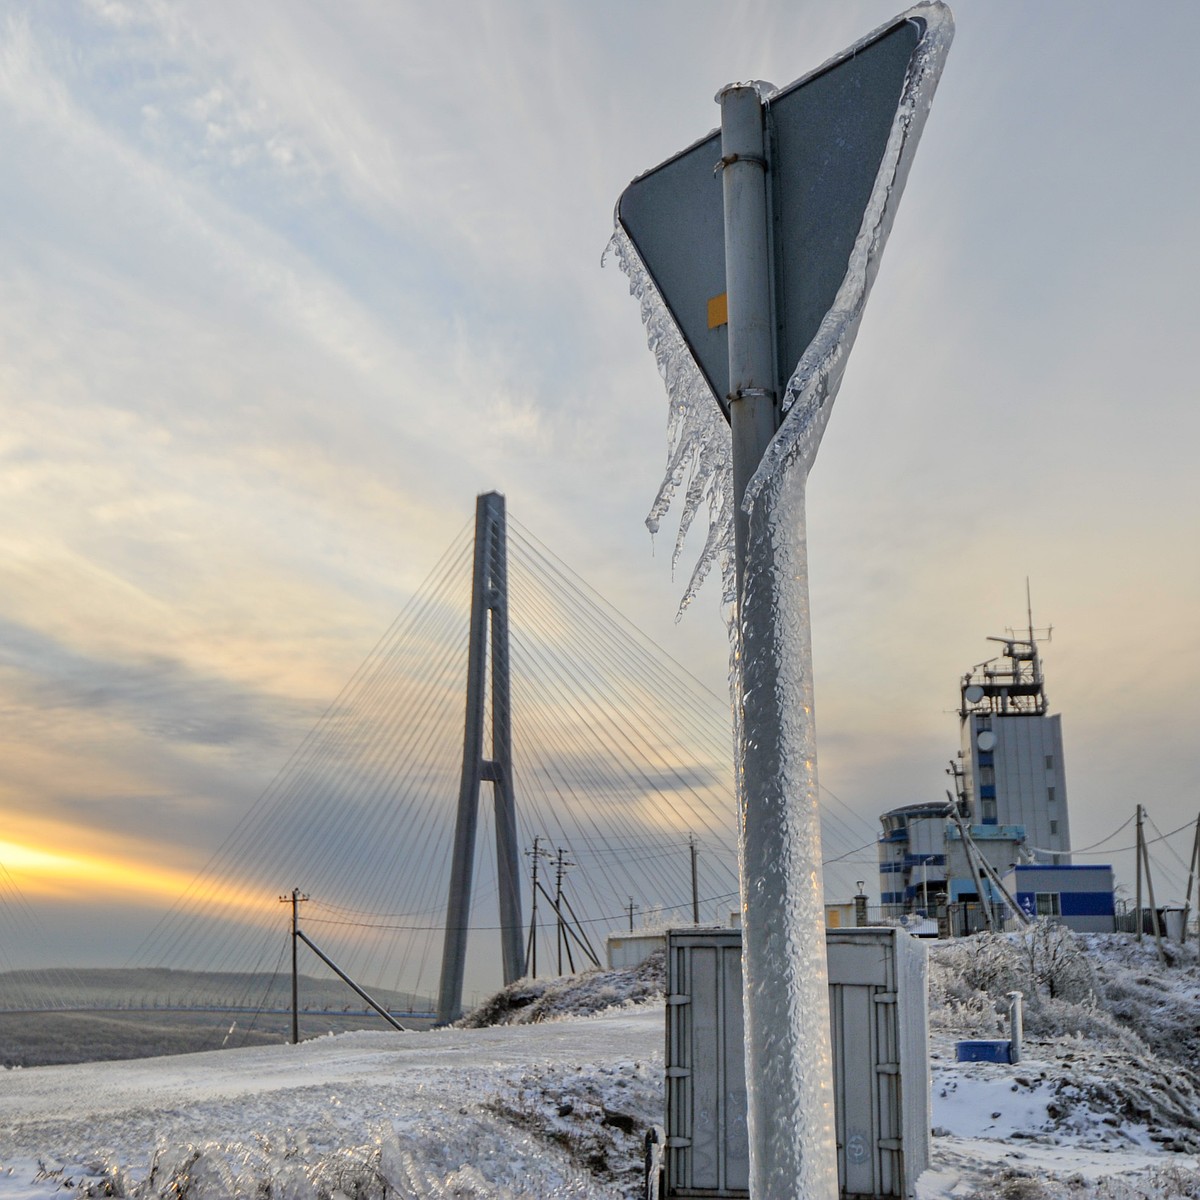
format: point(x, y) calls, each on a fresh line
point(972, 1015)
point(1162, 1004)
point(1045, 960)
point(987, 963)
point(1161, 1183)
point(528, 1001)
point(385, 1168)
point(971, 980)
point(1056, 964)
point(1062, 1018)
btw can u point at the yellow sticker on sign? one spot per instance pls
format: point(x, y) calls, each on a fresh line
point(718, 311)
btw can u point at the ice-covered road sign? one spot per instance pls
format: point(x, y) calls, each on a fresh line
point(827, 135)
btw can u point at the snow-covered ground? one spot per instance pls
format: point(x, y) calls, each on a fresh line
point(559, 1108)
point(482, 1112)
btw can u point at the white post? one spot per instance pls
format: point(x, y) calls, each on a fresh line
point(1016, 1024)
point(789, 1073)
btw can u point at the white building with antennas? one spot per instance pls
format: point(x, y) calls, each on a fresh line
point(1008, 809)
point(1010, 769)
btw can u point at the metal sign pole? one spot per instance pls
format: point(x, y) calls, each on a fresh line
point(753, 397)
point(764, 268)
point(788, 1052)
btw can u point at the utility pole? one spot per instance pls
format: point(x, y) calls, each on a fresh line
point(632, 906)
point(531, 948)
point(970, 850)
point(1144, 865)
point(1137, 856)
point(560, 870)
point(1193, 866)
point(295, 900)
point(695, 887)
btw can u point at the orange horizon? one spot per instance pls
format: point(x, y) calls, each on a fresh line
point(118, 874)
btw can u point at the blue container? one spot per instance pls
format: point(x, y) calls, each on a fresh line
point(998, 1050)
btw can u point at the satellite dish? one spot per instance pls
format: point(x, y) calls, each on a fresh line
point(986, 740)
point(973, 694)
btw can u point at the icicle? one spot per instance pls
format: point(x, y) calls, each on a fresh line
point(698, 443)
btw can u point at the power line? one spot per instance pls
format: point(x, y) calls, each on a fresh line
point(1116, 849)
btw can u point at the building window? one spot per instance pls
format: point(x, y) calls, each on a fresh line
point(1049, 762)
point(1053, 827)
point(987, 775)
point(1047, 904)
point(987, 812)
point(1050, 796)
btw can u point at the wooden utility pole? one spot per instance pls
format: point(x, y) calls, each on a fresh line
point(695, 887)
point(561, 866)
point(1193, 867)
point(295, 900)
point(1137, 854)
point(970, 851)
point(531, 949)
point(1144, 863)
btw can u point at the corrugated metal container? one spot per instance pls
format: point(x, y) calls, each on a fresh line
point(879, 1016)
point(708, 1153)
point(879, 1007)
point(631, 949)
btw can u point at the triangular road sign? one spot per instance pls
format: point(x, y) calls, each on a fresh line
point(827, 136)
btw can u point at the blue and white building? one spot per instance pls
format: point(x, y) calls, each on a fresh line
point(1010, 768)
point(912, 857)
point(1081, 897)
point(1011, 798)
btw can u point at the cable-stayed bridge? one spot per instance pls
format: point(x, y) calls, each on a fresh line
point(614, 792)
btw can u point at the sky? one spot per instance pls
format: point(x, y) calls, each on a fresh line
point(284, 286)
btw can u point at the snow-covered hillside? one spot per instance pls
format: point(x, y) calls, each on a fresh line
point(539, 1110)
point(1104, 1103)
point(1106, 1099)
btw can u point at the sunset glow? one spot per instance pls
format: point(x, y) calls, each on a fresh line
point(53, 873)
point(262, 344)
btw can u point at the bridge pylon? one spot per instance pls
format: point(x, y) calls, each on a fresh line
point(489, 628)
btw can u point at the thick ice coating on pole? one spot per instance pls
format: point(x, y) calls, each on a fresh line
point(788, 1068)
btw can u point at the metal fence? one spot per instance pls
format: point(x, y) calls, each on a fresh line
point(1175, 924)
